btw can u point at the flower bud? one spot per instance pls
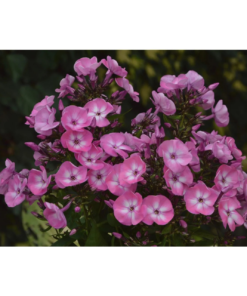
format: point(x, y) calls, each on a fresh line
point(77, 209)
point(60, 105)
point(117, 235)
point(73, 231)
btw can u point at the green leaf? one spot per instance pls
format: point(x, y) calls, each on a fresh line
point(112, 220)
point(64, 241)
point(177, 240)
point(17, 64)
point(95, 238)
point(167, 229)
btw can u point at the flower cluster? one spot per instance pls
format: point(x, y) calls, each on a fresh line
point(165, 172)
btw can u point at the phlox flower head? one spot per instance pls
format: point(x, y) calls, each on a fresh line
point(221, 115)
point(15, 195)
point(86, 66)
point(180, 181)
point(113, 67)
point(171, 83)
point(200, 199)
point(113, 144)
point(75, 118)
point(47, 101)
point(132, 169)
point(90, 158)
point(229, 215)
point(38, 181)
point(226, 178)
point(124, 83)
point(128, 208)
point(65, 86)
point(166, 105)
point(195, 80)
point(96, 178)
point(5, 175)
point(158, 209)
point(70, 175)
point(175, 154)
point(99, 109)
point(44, 121)
point(54, 216)
point(113, 183)
point(77, 141)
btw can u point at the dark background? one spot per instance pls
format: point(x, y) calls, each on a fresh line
point(27, 76)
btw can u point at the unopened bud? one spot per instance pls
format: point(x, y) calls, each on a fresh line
point(117, 235)
point(60, 105)
point(77, 209)
point(73, 231)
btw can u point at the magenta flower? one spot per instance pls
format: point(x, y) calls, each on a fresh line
point(38, 181)
point(220, 151)
point(44, 121)
point(98, 109)
point(200, 199)
point(65, 86)
point(113, 67)
point(86, 66)
point(124, 83)
point(113, 183)
point(70, 175)
point(5, 175)
point(128, 208)
point(15, 195)
point(75, 118)
point(158, 209)
point(179, 181)
point(132, 169)
point(207, 100)
point(230, 142)
point(195, 80)
point(226, 178)
point(228, 213)
point(221, 115)
point(54, 216)
point(113, 144)
point(171, 82)
point(96, 178)
point(166, 105)
point(90, 158)
point(175, 154)
point(77, 141)
point(47, 101)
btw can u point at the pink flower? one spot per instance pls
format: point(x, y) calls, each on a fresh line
point(221, 115)
point(113, 183)
point(228, 213)
point(200, 199)
point(55, 216)
point(65, 86)
point(207, 99)
point(98, 109)
point(226, 178)
point(70, 175)
point(128, 208)
point(113, 144)
point(180, 181)
point(38, 181)
point(44, 121)
point(132, 169)
point(220, 151)
point(15, 195)
point(77, 141)
point(86, 66)
point(90, 158)
point(166, 105)
point(158, 209)
point(96, 178)
point(124, 83)
point(75, 118)
point(47, 101)
point(230, 142)
point(113, 67)
point(175, 154)
point(171, 82)
point(195, 80)
point(5, 175)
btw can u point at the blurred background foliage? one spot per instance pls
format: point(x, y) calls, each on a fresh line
point(27, 76)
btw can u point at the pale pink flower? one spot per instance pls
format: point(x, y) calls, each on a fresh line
point(200, 199)
point(96, 178)
point(180, 181)
point(220, 151)
point(90, 158)
point(113, 67)
point(166, 105)
point(54, 216)
point(158, 209)
point(75, 118)
point(175, 154)
point(15, 195)
point(98, 109)
point(226, 178)
point(133, 142)
point(113, 183)
point(5, 175)
point(70, 175)
point(44, 121)
point(128, 208)
point(38, 181)
point(77, 141)
point(124, 83)
point(171, 82)
point(230, 142)
point(47, 101)
point(113, 144)
point(221, 115)
point(207, 100)
point(195, 80)
point(65, 86)
point(86, 66)
point(132, 169)
point(228, 213)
